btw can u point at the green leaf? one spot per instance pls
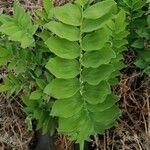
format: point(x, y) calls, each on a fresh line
point(114, 81)
point(107, 116)
point(120, 24)
point(20, 27)
point(20, 67)
point(94, 76)
point(3, 52)
point(80, 126)
point(60, 88)
point(5, 18)
point(9, 28)
point(64, 31)
point(47, 5)
point(42, 15)
point(139, 43)
point(85, 128)
point(119, 43)
point(145, 55)
point(128, 3)
point(44, 35)
point(121, 35)
point(118, 66)
point(99, 9)
point(144, 33)
point(138, 14)
point(4, 88)
point(28, 121)
point(96, 40)
point(3, 61)
point(21, 16)
point(37, 113)
point(96, 94)
point(63, 48)
point(68, 124)
point(67, 107)
point(140, 63)
point(49, 77)
point(110, 100)
point(96, 58)
point(69, 14)
point(63, 68)
point(89, 25)
point(100, 127)
point(36, 95)
point(139, 5)
point(30, 104)
point(13, 79)
point(47, 125)
point(81, 2)
point(43, 117)
point(41, 83)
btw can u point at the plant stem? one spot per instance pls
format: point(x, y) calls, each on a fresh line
point(81, 55)
point(82, 145)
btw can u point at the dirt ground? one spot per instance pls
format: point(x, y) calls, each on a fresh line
point(132, 132)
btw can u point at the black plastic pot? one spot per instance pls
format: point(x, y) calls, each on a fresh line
point(46, 142)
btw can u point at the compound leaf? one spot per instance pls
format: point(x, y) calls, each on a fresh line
point(19, 27)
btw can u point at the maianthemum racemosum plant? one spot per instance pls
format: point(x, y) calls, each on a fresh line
point(85, 42)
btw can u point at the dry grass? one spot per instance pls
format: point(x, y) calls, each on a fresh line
point(13, 130)
point(133, 128)
point(132, 131)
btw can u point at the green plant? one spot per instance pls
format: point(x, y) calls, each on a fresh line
point(139, 26)
point(85, 42)
point(26, 74)
point(142, 43)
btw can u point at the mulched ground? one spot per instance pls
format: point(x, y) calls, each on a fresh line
point(13, 130)
point(132, 131)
